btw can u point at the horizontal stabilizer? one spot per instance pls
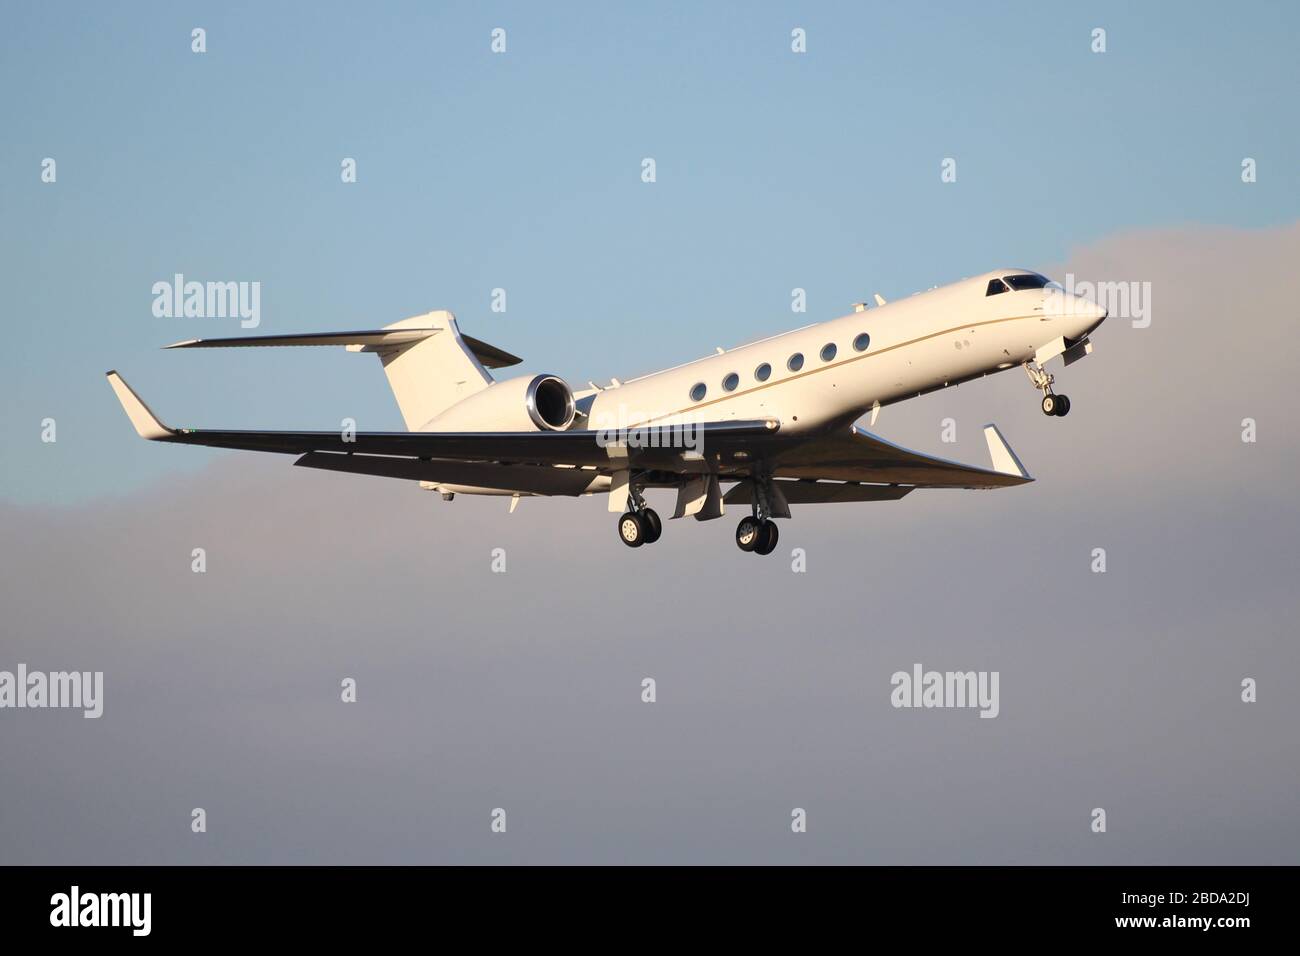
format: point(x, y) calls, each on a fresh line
point(370, 339)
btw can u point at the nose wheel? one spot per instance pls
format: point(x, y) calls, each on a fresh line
point(1057, 405)
point(1054, 405)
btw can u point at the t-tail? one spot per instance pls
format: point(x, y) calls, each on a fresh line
point(430, 365)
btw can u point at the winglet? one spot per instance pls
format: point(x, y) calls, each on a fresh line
point(146, 423)
point(1004, 459)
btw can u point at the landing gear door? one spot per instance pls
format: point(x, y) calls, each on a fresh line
point(1077, 351)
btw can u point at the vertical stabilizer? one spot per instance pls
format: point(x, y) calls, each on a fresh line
point(431, 374)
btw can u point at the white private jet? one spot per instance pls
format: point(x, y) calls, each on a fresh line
point(773, 419)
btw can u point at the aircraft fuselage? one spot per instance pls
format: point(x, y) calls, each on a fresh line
point(836, 370)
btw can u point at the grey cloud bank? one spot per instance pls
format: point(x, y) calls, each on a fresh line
point(521, 690)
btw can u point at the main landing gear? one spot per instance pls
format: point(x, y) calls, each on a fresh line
point(641, 525)
point(758, 532)
point(759, 536)
point(1053, 404)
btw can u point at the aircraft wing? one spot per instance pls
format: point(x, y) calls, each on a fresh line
point(852, 465)
point(857, 455)
point(856, 465)
point(652, 448)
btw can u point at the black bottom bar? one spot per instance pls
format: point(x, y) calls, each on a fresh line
point(378, 903)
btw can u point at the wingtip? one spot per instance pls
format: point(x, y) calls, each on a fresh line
point(1004, 459)
point(146, 423)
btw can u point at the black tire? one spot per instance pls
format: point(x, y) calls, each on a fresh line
point(653, 526)
point(632, 530)
point(767, 538)
point(748, 533)
point(1050, 404)
point(1062, 406)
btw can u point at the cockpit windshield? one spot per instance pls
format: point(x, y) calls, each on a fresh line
point(1020, 282)
point(1028, 280)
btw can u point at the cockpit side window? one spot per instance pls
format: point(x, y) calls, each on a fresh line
point(1030, 280)
point(996, 286)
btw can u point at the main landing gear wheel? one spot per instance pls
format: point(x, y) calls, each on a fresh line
point(1049, 404)
point(654, 527)
point(748, 533)
point(636, 528)
point(767, 536)
point(633, 530)
point(757, 536)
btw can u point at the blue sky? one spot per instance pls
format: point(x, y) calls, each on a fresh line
point(522, 171)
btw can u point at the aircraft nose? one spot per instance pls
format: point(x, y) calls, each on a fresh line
point(1091, 316)
point(1081, 315)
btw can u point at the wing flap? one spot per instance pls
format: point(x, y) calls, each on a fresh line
point(859, 456)
point(528, 448)
point(537, 479)
point(809, 492)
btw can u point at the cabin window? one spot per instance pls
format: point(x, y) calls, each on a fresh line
point(730, 382)
point(698, 391)
point(828, 351)
point(861, 342)
point(996, 286)
point(763, 372)
point(796, 362)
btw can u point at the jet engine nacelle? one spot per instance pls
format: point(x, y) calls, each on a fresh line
point(524, 404)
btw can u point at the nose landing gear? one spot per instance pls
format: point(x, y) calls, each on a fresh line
point(1058, 405)
point(1053, 404)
